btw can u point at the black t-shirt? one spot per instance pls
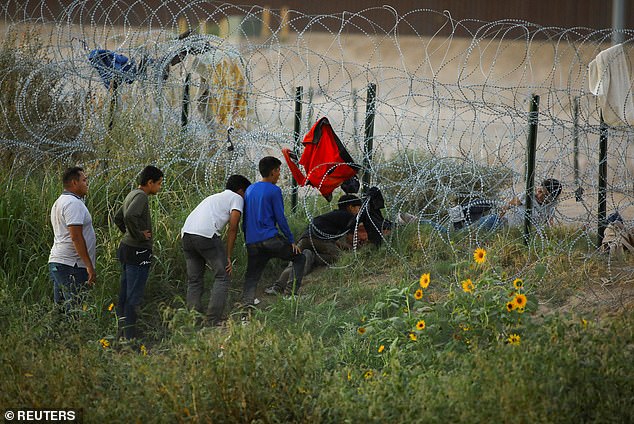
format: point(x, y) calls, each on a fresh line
point(332, 225)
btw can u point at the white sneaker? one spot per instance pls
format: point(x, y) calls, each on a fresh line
point(456, 214)
point(273, 290)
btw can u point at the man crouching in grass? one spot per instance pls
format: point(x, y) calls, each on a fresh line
point(263, 214)
point(203, 247)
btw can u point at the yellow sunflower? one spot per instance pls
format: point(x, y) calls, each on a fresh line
point(104, 343)
point(480, 255)
point(418, 294)
point(518, 284)
point(412, 337)
point(361, 330)
point(381, 348)
point(143, 350)
point(420, 325)
point(467, 286)
point(368, 374)
point(514, 339)
point(424, 280)
point(520, 310)
point(510, 306)
point(110, 307)
point(520, 301)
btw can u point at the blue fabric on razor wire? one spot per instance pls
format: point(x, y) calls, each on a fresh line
point(111, 65)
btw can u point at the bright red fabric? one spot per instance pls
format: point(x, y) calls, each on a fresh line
point(326, 162)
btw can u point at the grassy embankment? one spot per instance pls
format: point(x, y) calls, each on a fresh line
point(345, 350)
point(357, 346)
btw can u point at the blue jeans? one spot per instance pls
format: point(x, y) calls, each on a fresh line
point(200, 253)
point(436, 226)
point(486, 223)
point(259, 255)
point(489, 222)
point(133, 279)
point(68, 282)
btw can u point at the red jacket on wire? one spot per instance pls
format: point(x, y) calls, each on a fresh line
point(326, 161)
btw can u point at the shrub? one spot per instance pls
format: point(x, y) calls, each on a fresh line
point(39, 115)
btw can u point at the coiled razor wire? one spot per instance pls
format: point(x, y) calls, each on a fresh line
point(451, 118)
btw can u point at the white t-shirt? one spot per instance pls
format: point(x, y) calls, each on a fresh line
point(212, 214)
point(67, 210)
point(541, 214)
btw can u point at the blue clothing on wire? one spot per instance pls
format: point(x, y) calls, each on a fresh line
point(111, 65)
point(263, 210)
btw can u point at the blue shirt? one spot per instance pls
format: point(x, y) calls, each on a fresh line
point(263, 210)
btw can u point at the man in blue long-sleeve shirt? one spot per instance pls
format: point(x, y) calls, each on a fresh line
point(263, 215)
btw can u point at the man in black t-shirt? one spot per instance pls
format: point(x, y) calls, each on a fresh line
point(319, 242)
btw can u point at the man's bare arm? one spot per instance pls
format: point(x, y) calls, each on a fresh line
point(77, 236)
point(234, 221)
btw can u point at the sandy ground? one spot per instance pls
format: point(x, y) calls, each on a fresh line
point(450, 97)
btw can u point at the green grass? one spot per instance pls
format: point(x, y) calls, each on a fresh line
point(305, 360)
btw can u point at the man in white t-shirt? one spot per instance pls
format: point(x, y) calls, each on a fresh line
point(203, 246)
point(72, 259)
point(512, 213)
point(543, 206)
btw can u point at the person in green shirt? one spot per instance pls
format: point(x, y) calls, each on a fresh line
point(135, 250)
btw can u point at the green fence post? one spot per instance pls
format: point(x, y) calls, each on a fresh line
point(299, 92)
point(531, 148)
point(603, 179)
point(368, 142)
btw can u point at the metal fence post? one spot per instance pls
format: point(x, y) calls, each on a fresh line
point(531, 148)
point(603, 179)
point(368, 142)
point(575, 137)
point(185, 105)
point(299, 92)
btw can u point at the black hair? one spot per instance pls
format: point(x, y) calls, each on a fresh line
point(348, 200)
point(71, 174)
point(267, 165)
point(554, 188)
point(351, 185)
point(150, 173)
point(237, 182)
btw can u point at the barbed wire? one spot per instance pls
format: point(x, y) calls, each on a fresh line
point(119, 84)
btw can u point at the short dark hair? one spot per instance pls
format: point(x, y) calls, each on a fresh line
point(268, 164)
point(150, 173)
point(348, 200)
point(237, 182)
point(554, 188)
point(71, 174)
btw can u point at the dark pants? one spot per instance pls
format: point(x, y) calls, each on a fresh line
point(201, 252)
point(68, 282)
point(318, 252)
point(133, 279)
point(259, 255)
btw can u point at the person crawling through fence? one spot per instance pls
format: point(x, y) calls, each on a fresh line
point(374, 224)
point(323, 240)
point(512, 212)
